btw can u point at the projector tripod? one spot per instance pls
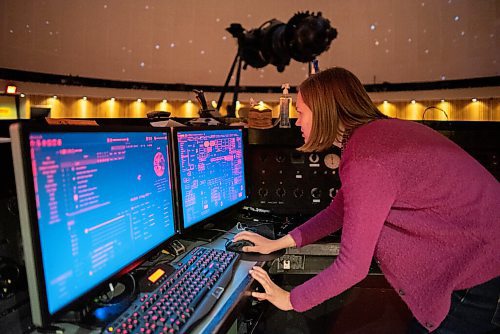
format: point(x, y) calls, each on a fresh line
point(231, 109)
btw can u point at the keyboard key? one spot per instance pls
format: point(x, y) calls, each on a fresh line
point(184, 298)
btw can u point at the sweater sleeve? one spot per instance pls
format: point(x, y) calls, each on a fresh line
point(324, 223)
point(368, 193)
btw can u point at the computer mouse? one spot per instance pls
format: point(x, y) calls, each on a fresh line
point(237, 246)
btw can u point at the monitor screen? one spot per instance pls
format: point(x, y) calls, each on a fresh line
point(99, 201)
point(211, 174)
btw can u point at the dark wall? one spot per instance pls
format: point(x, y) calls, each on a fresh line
point(287, 181)
point(279, 177)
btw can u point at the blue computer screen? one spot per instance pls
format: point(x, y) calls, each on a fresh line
point(103, 200)
point(211, 171)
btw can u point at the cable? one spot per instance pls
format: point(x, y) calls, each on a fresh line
point(220, 230)
point(108, 299)
point(434, 107)
point(263, 24)
point(157, 259)
point(247, 226)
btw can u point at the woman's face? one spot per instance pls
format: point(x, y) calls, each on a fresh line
point(304, 119)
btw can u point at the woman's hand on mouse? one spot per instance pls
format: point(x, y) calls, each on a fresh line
point(262, 244)
point(273, 293)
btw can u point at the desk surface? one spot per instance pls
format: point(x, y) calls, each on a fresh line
point(224, 313)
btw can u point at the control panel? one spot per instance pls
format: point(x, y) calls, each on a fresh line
point(287, 181)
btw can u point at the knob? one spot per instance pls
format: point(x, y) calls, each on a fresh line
point(316, 192)
point(298, 193)
point(280, 192)
point(280, 158)
point(314, 158)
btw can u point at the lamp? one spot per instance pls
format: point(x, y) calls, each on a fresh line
point(304, 37)
point(11, 89)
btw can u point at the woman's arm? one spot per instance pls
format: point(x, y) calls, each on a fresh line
point(324, 223)
point(369, 193)
point(367, 206)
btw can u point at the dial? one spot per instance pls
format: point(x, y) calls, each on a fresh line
point(313, 158)
point(332, 161)
point(281, 192)
point(263, 192)
point(280, 158)
point(316, 192)
point(298, 193)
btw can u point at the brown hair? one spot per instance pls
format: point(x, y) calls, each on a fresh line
point(335, 95)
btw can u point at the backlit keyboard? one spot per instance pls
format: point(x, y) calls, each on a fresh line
point(182, 299)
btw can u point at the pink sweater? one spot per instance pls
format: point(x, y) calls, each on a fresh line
point(426, 210)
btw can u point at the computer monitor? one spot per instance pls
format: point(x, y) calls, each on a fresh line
point(93, 202)
point(210, 172)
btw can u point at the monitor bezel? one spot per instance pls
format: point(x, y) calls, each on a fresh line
point(176, 167)
point(29, 222)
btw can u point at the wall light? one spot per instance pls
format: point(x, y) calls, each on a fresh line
point(11, 89)
point(22, 95)
point(385, 102)
point(54, 97)
point(84, 98)
point(112, 99)
point(139, 100)
point(164, 101)
point(474, 100)
point(413, 101)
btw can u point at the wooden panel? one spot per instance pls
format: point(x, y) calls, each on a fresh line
point(435, 110)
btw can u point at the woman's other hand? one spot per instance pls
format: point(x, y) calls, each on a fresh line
point(273, 293)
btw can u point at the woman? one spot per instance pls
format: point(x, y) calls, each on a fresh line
point(426, 210)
